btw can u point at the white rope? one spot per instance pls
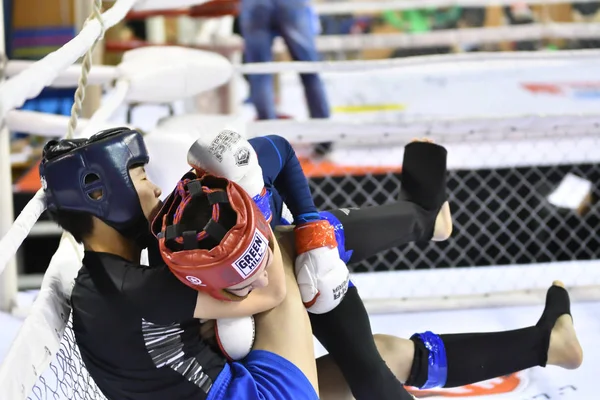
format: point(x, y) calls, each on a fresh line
point(107, 110)
point(375, 6)
point(453, 37)
point(40, 123)
point(103, 74)
point(472, 143)
point(448, 130)
point(68, 78)
point(350, 7)
point(484, 58)
point(444, 37)
point(19, 230)
point(30, 82)
point(86, 65)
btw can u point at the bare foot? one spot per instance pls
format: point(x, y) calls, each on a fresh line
point(564, 350)
point(443, 224)
point(423, 139)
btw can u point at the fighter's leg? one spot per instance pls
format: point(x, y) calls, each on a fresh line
point(472, 357)
point(256, 23)
point(475, 357)
point(398, 355)
point(346, 331)
point(285, 330)
point(420, 212)
point(364, 232)
point(346, 334)
point(296, 26)
point(424, 183)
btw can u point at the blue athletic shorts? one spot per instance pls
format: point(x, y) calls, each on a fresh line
point(262, 375)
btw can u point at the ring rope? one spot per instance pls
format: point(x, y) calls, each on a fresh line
point(86, 66)
point(22, 225)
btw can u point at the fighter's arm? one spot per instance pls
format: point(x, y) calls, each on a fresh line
point(282, 170)
point(162, 298)
point(322, 276)
point(259, 300)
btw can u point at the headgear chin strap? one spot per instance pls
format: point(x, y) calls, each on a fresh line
point(74, 170)
point(238, 251)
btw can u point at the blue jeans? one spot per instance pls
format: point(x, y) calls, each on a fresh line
point(260, 22)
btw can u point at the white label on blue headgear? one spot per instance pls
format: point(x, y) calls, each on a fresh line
point(253, 256)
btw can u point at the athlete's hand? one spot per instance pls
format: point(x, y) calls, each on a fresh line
point(230, 155)
point(321, 275)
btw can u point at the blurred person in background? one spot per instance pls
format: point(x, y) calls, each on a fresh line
point(587, 12)
point(295, 21)
point(519, 13)
point(419, 21)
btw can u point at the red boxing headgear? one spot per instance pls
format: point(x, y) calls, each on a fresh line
point(236, 251)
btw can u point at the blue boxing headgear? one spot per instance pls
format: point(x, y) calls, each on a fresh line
point(72, 169)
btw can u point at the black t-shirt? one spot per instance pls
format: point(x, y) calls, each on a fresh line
point(135, 329)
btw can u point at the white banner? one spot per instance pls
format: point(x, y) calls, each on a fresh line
point(492, 88)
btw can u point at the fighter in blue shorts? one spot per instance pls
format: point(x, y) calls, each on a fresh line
point(340, 322)
point(137, 325)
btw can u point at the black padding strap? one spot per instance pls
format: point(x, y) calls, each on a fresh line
point(215, 230)
point(173, 231)
point(195, 188)
point(189, 240)
point(218, 197)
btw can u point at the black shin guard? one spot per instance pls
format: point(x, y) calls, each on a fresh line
point(371, 230)
point(424, 183)
point(476, 357)
point(481, 356)
point(346, 334)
